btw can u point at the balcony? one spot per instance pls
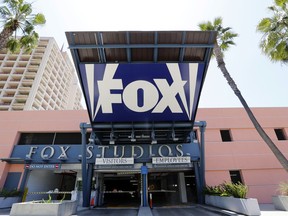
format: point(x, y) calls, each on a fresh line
point(24, 89)
point(27, 82)
point(12, 57)
point(22, 64)
point(5, 71)
point(18, 106)
point(21, 98)
point(6, 100)
point(24, 58)
point(30, 74)
point(12, 85)
point(4, 106)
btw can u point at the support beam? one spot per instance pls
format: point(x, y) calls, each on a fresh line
point(202, 160)
point(182, 187)
point(144, 174)
point(86, 196)
point(89, 181)
point(198, 184)
point(24, 182)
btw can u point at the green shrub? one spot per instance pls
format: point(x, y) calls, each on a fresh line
point(213, 190)
point(237, 190)
point(9, 193)
point(283, 188)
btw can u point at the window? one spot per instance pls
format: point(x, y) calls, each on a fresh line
point(36, 138)
point(68, 138)
point(72, 138)
point(280, 134)
point(235, 176)
point(225, 135)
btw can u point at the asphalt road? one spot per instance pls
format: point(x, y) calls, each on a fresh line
point(186, 211)
point(191, 211)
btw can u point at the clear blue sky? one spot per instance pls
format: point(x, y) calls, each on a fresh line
point(262, 83)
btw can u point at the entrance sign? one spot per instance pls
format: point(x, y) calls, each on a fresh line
point(171, 160)
point(137, 92)
point(114, 161)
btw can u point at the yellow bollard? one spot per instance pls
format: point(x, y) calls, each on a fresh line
point(24, 194)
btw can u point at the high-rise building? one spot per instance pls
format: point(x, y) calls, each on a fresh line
point(45, 79)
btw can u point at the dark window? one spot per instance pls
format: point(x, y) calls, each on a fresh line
point(36, 138)
point(225, 135)
point(235, 176)
point(51, 138)
point(280, 134)
point(68, 138)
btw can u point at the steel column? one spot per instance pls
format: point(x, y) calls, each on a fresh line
point(198, 184)
point(144, 175)
point(202, 160)
point(24, 181)
point(86, 196)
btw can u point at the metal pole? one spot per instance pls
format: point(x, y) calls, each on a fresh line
point(89, 181)
point(84, 167)
point(24, 181)
point(144, 173)
point(202, 159)
point(198, 184)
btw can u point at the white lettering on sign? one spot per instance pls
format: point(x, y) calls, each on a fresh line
point(114, 161)
point(133, 151)
point(150, 96)
point(170, 160)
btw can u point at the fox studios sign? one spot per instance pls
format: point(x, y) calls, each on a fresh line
point(142, 92)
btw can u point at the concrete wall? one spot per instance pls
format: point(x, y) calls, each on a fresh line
point(247, 152)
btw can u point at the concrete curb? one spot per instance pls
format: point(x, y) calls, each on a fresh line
point(218, 210)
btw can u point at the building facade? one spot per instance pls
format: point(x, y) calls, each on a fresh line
point(45, 149)
point(42, 80)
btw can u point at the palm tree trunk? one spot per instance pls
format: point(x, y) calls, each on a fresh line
point(4, 36)
point(221, 64)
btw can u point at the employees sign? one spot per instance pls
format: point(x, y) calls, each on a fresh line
point(171, 160)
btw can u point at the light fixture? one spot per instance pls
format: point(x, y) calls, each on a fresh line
point(93, 139)
point(174, 138)
point(132, 137)
point(154, 141)
point(112, 140)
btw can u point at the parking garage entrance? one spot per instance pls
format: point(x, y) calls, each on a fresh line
point(164, 188)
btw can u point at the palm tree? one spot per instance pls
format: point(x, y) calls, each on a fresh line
point(17, 16)
point(224, 40)
point(275, 32)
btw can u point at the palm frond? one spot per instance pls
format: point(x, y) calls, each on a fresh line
point(39, 19)
point(17, 16)
point(264, 25)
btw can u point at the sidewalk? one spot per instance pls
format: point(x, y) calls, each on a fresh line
point(269, 210)
point(266, 210)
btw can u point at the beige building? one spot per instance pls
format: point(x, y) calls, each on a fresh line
point(42, 80)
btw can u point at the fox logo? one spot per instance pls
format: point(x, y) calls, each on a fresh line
point(131, 92)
